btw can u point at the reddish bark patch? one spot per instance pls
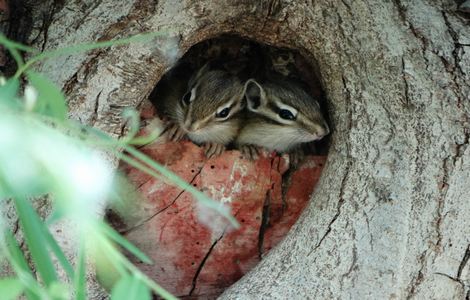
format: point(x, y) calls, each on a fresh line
point(195, 252)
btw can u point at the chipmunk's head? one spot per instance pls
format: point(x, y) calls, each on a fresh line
point(286, 104)
point(210, 105)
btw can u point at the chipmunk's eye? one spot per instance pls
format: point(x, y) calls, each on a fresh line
point(223, 113)
point(286, 114)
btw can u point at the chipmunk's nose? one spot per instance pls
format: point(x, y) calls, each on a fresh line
point(326, 129)
point(323, 130)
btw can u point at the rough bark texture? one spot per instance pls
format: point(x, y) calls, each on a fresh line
point(390, 217)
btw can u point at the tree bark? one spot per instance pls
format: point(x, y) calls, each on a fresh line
point(390, 215)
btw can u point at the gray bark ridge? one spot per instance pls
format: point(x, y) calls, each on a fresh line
point(390, 215)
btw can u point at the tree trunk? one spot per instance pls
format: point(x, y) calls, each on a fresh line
point(390, 217)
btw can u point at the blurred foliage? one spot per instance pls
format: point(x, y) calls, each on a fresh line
point(44, 153)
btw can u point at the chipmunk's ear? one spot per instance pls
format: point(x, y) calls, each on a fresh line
point(195, 78)
point(255, 95)
point(189, 97)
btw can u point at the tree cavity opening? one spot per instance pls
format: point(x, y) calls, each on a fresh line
point(195, 252)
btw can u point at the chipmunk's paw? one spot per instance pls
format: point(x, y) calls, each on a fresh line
point(213, 149)
point(173, 132)
point(249, 152)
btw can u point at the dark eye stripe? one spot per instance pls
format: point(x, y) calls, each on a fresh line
point(274, 107)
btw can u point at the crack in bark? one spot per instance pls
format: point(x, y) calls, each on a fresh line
point(264, 223)
point(46, 22)
point(368, 230)
point(352, 267)
point(267, 206)
point(448, 276)
point(70, 85)
point(95, 109)
point(418, 279)
point(87, 13)
point(455, 39)
point(338, 208)
point(348, 6)
point(440, 202)
point(424, 43)
point(165, 208)
point(406, 103)
point(203, 262)
point(348, 111)
point(457, 69)
point(464, 262)
point(47, 19)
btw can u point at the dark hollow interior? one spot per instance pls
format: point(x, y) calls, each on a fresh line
point(248, 59)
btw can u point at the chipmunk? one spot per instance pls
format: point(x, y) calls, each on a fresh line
point(280, 117)
point(208, 112)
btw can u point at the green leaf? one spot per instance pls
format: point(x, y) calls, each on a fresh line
point(14, 45)
point(9, 89)
point(144, 37)
point(144, 140)
point(51, 101)
point(134, 121)
point(13, 48)
point(4, 191)
point(9, 92)
point(80, 279)
point(130, 287)
point(10, 288)
point(34, 236)
point(20, 266)
point(113, 235)
point(15, 252)
point(58, 290)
